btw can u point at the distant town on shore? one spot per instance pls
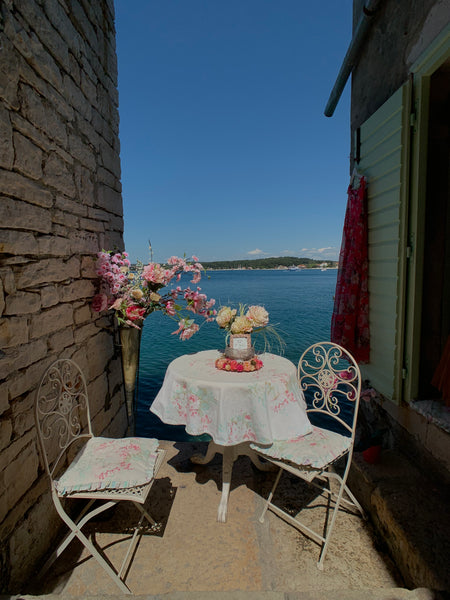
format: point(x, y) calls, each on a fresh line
point(282, 262)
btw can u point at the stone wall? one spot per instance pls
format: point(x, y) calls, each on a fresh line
point(60, 203)
point(400, 31)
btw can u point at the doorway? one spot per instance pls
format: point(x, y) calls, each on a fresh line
point(435, 322)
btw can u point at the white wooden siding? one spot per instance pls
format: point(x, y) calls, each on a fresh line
point(383, 156)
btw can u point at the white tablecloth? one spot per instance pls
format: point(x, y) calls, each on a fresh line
point(261, 406)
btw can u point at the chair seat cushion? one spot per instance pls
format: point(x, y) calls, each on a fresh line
point(106, 463)
point(314, 450)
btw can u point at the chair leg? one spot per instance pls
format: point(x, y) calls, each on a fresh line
point(75, 531)
point(102, 562)
point(353, 502)
point(144, 513)
point(269, 499)
point(330, 528)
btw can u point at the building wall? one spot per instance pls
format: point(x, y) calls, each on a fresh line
point(60, 203)
point(400, 32)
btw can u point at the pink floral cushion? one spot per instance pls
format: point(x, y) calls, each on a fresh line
point(316, 449)
point(105, 463)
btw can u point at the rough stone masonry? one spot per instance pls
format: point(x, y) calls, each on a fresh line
point(60, 203)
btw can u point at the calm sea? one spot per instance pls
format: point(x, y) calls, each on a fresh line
point(300, 303)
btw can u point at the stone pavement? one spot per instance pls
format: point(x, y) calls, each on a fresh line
point(193, 556)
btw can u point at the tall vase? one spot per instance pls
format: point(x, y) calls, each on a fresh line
point(130, 339)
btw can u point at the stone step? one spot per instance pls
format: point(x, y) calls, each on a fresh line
point(410, 514)
point(375, 594)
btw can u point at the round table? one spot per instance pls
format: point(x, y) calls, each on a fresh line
point(233, 408)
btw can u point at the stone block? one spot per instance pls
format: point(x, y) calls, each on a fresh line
point(109, 158)
point(99, 214)
point(92, 225)
point(29, 131)
point(5, 432)
point(60, 230)
point(58, 175)
point(62, 23)
point(111, 239)
point(70, 206)
point(26, 463)
point(99, 351)
point(116, 223)
point(17, 242)
point(22, 412)
point(82, 314)
point(2, 298)
point(60, 340)
point(15, 214)
point(85, 184)
point(76, 98)
point(23, 356)
point(28, 157)
point(115, 375)
point(18, 186)
point(43, 114)
point(86, 27)
point(88, 267)
point(49, 296)
point(84, 332)
point(118, 424)
point(22, 303)
point(53, 245)
point(97, 391)
point(82, 152)
point(47, 34)
point(31, 538)
point(87, 130)
point(82, 288)
point(3, 511)
point(84, 242)
point(4, 398)
point(51, 320)
point(9, 74)
point(30, 47)
point(48, 270)
point(6, 140)
point(13, 331)
point(26, 380)
point(7, 277)
point(65, 218)
point(110, 200)
point(108, 178)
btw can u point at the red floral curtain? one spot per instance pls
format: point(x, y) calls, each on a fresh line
point(350, 320)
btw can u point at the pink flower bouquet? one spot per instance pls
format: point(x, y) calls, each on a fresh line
point(135, 293)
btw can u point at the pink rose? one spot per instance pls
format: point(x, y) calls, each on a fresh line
point(99, 302)
point(135, 313)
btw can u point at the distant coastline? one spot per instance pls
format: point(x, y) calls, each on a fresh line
point(283, 263)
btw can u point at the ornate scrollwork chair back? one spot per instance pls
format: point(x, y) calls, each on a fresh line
point(61, 412)
point(331, 382)
point(103, 471)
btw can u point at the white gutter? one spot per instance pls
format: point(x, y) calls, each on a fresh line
point(365, 22)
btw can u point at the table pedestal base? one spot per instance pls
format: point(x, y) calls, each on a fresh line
point(229, 453)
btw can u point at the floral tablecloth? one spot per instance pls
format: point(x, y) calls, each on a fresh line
point(261, 406)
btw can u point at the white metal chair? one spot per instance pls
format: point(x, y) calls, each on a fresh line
point(331, 381)
point(103, 471)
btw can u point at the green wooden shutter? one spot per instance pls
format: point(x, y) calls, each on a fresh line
point(384, 152)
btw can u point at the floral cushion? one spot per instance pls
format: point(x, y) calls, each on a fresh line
point(105, 463)
point(316, 449)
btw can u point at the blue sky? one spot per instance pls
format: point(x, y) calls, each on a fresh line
point(225, 150)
